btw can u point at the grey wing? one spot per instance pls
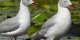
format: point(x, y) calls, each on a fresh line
point(48, 24)
point(43, 30)
point(9, 25)
point(40, 34)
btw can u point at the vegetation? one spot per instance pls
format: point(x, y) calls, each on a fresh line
point(39, 14)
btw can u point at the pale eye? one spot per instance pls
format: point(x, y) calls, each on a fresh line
point(65, 1)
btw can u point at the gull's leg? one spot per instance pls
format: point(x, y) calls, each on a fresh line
point(10, 38)
point(15, 38)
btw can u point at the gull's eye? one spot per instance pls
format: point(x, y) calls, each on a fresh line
point(65, 1)
point(28, 0)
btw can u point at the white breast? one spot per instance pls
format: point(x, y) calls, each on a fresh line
point(61, 27)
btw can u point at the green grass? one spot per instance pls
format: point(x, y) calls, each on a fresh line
point(78, 38)
point(46, 10)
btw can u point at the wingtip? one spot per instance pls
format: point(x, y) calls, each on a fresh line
point(28, 39)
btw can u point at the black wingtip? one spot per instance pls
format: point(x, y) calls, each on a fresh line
point(28, 39)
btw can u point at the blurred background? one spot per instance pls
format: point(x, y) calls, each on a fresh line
point(41, 13)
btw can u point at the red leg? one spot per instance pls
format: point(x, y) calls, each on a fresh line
point(15, 38)
point(11, 38)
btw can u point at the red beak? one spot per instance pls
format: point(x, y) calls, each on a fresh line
point(73, 6)
point(35, 3)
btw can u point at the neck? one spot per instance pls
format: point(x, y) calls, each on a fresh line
point(23, 11)
point(62, 9)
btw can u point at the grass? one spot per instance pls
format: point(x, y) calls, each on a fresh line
point(47, 9)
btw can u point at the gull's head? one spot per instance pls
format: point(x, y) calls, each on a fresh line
point(28, 2)
point(66, 3)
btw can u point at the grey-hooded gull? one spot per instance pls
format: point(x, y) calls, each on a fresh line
point(58, 25)
point(19, 24)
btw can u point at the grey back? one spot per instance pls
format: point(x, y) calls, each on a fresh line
point(10, 24)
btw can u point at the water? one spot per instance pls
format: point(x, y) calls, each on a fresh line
point(69, 37)
point(18, 38)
